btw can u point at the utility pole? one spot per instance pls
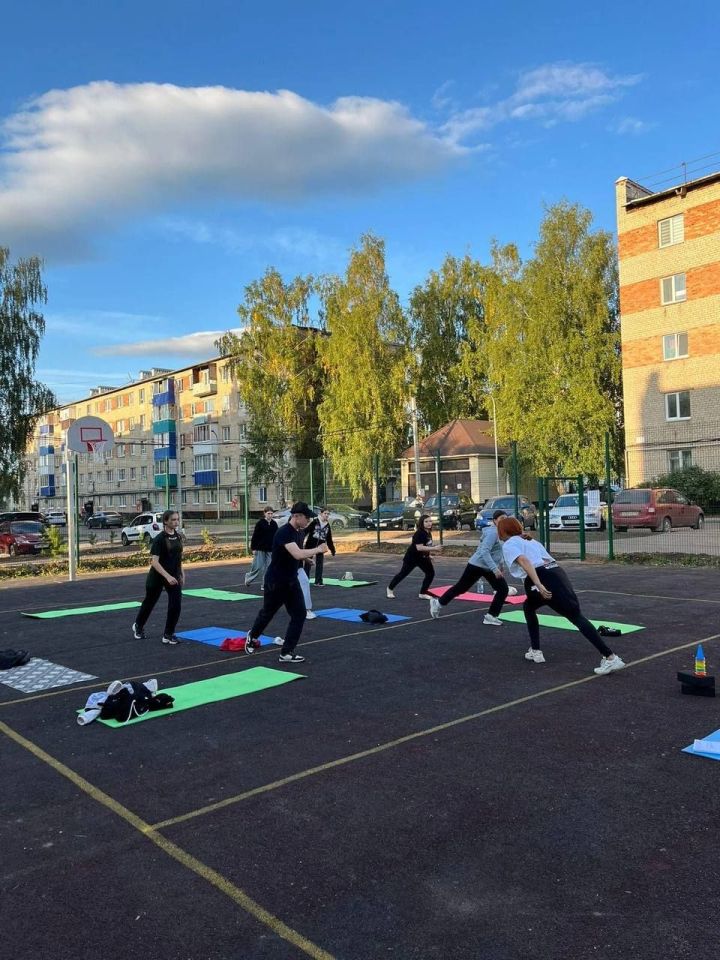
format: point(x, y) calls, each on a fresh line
point(416, 444)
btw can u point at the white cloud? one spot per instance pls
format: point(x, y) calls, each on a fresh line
point(632, 126)
point(201, 344)
point(112, 325)
point(549, 94)
point(81, 161)
point(305, 243)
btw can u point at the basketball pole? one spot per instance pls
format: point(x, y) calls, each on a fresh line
point(71, 518)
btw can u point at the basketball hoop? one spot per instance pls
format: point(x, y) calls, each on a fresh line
point(97, 451)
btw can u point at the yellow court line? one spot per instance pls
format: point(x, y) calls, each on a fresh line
point(408, 738)
point(206, 873)
point(46, 695)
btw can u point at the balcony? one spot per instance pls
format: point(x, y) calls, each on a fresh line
point(46, 451)
point(164, 426)
point(49, 489)
point(205, 478)
point(165, 481)
point(167, 396)
point(204, 388)
point(166, 453)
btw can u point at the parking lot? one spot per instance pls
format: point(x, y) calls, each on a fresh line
point(421, 792)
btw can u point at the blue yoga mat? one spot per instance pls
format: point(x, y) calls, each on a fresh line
point(215, 635)
point(353, 616)
point(715, 736)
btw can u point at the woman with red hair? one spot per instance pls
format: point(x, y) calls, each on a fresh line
point(547, 583)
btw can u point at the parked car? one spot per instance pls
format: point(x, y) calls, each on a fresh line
point(104, 519)
point(353, 518)
point(146, 526)
point(527, 512)
point(413, 509)
point(56, 518)
point(391, 516)
point(22, 515)
point(338, 520)
point(658, 510)
point(565, 513)
point(458, 510)
point(22, 537)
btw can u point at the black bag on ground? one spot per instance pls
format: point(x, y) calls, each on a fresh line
point(373, 616)
point(609, 631)
point(13, 658)
point(133, 700)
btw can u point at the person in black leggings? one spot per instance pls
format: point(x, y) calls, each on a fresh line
point(417, 555)
point(547, 583)
point(165, 573)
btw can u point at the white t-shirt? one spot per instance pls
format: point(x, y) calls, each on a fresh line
point(518, 547)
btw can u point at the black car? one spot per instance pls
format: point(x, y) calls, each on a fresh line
point(391, 516)
point(104, 519)
point(458, 510)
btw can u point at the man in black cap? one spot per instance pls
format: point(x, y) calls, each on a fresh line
point(281, 583)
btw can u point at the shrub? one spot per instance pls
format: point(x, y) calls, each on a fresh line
point(56, 542)
point(92, 538)
point(698, 485)
point(207, 538)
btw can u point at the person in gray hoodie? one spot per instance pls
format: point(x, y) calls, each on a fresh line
point(487, 562)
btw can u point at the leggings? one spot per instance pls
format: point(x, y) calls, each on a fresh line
point(470, 575)
point(154, 586)
point(408, 565)
point(563, 601)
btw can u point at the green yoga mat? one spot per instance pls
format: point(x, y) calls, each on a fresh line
point(210, 593)
point(516, 616)
point(333, 582)
point(215, 689)
point(76, 611)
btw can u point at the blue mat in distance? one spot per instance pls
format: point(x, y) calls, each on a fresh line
point(214, 636)
point(353, 616)
point(715, 736)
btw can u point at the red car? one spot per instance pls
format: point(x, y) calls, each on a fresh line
point(659, 510)
point(22, 536)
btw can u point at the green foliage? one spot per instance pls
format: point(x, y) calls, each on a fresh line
point(698, 485)
point(207, 538)
point(22, 398)
point(113, 536)
point(55, 540)
point(92, 538)
point(366, 363)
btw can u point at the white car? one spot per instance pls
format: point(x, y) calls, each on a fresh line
point(146, 526)
point(55, 518)
point(565, 515)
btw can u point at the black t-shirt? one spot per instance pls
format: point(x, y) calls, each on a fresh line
point(283, 567)
point(168, 548)
point(423, 538)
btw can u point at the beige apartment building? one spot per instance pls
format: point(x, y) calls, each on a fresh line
point(669, 258)
point(179, 441)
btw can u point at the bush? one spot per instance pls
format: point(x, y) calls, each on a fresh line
point(207, 538)
point(56, 542)
point(698, 485)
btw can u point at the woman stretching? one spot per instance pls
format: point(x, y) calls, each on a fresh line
point(547, 583)
point(418, 555)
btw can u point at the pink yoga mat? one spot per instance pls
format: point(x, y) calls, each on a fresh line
point(476, 597)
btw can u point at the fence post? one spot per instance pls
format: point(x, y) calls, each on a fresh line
point(439, 493)
point(247, 507)
point(541, 509)
point(581, 515)
point(312, 486)
point(515, 479)
point(546, 484)
point(608, 486)
point(377, 496)
point(324, 475)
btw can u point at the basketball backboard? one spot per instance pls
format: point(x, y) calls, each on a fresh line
point(90, 435)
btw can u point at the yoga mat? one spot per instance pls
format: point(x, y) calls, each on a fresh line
point(214, 636)
point(210, 593)
point(714, 738)
point(76, 611)
point(353, 616)
point(215, 689)
point(334, 582)
point(476, 597)
point(516, 616)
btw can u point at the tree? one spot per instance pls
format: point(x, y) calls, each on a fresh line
point(554, 345)
point(275, 360)
point(22, 398)
point(442, 311)
point(367, 362)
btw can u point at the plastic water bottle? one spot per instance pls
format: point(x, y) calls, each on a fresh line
point(700, 665)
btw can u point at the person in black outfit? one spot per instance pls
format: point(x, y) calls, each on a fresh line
point(165, 573)
point(281, 583)
point(418, 555)
point(318, 532)
point(261, 546)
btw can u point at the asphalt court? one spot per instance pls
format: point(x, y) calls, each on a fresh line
point(424, 792)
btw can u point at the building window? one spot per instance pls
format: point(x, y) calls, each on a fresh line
point(121, 475)
point(182, 468)
point(133, 473)
point(120, 450)
point(671, 230)
point(679, 459)
point(184, 496)
point(205, 461)
point(108, 476)
point(675, 346)
point(262, 494)
point(141, 421)
point(143, 473)
point(677, 405)
point(672, 289)
point(227, 464)
point(201, 433)
point(226, 434)
point(242, 431)
point(141, 396)
point(211, 495)
point(196, 496)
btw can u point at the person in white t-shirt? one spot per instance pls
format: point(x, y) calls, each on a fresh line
point(547, 583)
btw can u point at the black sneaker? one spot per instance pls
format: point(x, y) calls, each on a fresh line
point(291, 658)
point(138, 632)
point(173, 640)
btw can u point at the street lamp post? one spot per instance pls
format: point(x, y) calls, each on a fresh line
point(213, 431)
point(497, 464)
point(416, 444)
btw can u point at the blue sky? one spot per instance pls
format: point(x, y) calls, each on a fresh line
point(161, 156)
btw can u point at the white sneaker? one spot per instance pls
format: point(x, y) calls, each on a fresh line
point(424, 596)
point(512, 591)
point(434, 607)
point(608, 665)
point(535, 655)
point(491, 620)
point(310, 615)
point(278, 640)
point(389, 594)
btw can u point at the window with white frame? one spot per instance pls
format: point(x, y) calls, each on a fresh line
point(120, 450)
point(671, 230)
point(225, 373)
point(211, 495)
point(226, 434)
point(242, 431)
point(677, 405)
point(121, 475)
point(201, 433)
point(108, 476)
point(183, 467)
point(133, 449)
point(196, 496)
point(262, 494)
point(141, 421)
point(679, 459)
point(228, 495)
point(133, 473)
point(205, 461)
point(225, 404)
point(184, 496)
point(675, 346)
point(673, 289)
point(227, 464)
point(141, 396)
point(143, 473)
